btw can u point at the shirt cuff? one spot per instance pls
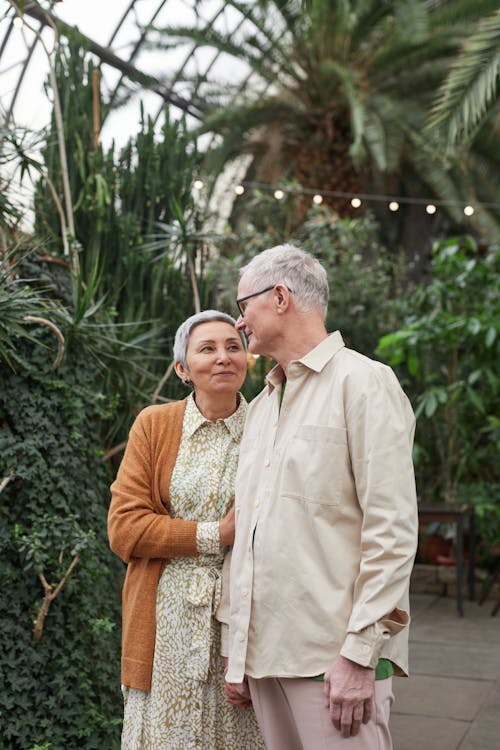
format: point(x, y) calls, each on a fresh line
point(208, 538)
point(365, 647)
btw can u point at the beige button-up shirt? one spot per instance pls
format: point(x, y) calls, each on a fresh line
point(326, 519)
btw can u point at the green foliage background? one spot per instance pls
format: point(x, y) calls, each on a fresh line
point(64, 690)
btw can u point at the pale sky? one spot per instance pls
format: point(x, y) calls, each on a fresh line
point(98, 20)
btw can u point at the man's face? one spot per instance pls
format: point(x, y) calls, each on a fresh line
point(257, 316)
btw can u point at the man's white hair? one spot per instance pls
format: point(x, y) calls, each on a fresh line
point(297, 269)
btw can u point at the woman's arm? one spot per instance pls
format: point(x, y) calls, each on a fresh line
point(135, 527)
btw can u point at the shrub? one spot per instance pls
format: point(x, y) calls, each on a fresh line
point(447, 353)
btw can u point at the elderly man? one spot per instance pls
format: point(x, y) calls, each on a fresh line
point(326, 522)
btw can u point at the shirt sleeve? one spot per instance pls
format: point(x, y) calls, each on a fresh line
point(208, 537)
point(222, 613)
point(380, 426)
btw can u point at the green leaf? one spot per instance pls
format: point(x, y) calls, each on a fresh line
point(474, 326)
point(413, 365)
point(431, 404)
point(476, 400)
point(491, 335)
point(474, 377)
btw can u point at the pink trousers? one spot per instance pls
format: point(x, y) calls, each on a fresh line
point(292, 716)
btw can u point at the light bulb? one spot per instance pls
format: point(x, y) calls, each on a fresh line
point(393, 206)
point(318, 199)
point(468, 210)
point(198, 184)
point(355, 202)
point(279, 194)
point(18, 22)
point(431, 208)
point(239, 189)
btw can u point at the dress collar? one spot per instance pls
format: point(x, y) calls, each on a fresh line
point(194, 419)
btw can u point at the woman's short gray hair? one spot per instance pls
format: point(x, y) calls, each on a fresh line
point(298, 269)
point(184, 331)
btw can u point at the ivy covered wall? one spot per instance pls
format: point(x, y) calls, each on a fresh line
point(61, 684)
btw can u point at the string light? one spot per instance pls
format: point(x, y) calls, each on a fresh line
point(393, 202)
point(18, 22)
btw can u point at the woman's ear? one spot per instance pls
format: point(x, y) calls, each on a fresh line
point(181, 372)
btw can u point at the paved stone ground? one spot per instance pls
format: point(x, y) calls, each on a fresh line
point(452, 699)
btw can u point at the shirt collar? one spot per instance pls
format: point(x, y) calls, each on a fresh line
point(315, 360)
point(194, 419)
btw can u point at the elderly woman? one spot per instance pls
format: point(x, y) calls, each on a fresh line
point(171, 520)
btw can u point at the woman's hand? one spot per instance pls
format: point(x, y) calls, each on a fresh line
point(226, 529)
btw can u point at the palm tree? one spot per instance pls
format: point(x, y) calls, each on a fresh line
point(338, 95)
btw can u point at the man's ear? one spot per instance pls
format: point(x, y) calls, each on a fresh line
point(282, 297)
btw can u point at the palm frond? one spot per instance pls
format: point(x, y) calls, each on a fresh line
point(369, 17)
point(450, 14)
point(347, 77)
point(411, 21)
point(384, 133)
point(472, 84)
point(263, 47)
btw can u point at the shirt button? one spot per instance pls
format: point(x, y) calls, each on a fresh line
point(267, 462)
point(257, 503)
point(242, 637)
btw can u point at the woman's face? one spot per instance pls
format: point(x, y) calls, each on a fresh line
point(215, 357)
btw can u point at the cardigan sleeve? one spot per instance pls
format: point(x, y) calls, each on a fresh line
point(135, 527)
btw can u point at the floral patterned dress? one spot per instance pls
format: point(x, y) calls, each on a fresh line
point(185, 708)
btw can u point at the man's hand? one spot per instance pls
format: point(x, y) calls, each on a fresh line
point(349, 691)
point(237, 694)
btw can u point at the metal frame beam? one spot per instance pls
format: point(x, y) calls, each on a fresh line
point(106, 55)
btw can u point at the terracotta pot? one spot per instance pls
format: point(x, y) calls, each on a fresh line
point(432, 546)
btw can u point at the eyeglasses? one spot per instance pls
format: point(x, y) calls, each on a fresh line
point(254, 294)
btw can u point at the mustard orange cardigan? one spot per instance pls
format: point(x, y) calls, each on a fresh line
point(142, 533)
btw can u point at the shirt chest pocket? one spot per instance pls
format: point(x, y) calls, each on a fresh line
point(316, 465)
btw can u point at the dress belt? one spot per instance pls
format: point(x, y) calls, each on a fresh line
point(204, 595)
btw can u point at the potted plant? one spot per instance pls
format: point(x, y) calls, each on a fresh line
point(435, 542)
